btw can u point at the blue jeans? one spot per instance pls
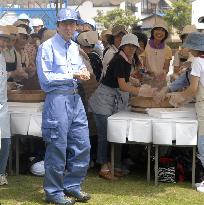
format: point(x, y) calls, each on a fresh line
point(201, 149)
point(4, 154)
point(103, 145)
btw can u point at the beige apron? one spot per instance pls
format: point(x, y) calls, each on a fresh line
point(200, 109)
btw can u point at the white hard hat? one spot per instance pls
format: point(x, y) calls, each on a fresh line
point(23, 16)
point(37, 22)
point(38, 168)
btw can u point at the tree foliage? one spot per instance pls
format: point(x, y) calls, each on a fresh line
point(179, 15)
point(116, 16)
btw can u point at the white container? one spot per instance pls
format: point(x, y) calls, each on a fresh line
point(163, 132)
point(35, 125)
point(24, 107)
point(186, 132)
point(172, 113)
point(117, 130)
point(20, 123)
point(140, 130)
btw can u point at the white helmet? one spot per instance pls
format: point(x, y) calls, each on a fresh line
point(23, 16)
point(37, 22)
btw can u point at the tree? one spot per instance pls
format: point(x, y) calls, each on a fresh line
point(179, 15)
point(116, 16)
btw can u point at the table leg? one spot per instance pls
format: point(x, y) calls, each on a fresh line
point(112, 159)
point(17, 155)
point(10, 168)
point(156, 165)
point(148, 163)
point(193, 166)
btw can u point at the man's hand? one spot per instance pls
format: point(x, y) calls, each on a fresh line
point(82, 75)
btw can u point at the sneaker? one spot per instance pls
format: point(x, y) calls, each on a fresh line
point(3, 179)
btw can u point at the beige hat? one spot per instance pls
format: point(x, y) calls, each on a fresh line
point(12, 29)
point(87, 38)
point(48, 34)
point(4, 32)
point(105, 33)
point(188, 29)
point(22, 30)
point(161, 25)
point(118, 29)
point(20, 23)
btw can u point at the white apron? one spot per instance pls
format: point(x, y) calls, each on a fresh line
point(200, 109)
point(4, 116)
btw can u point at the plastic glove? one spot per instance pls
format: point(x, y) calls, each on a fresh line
point(160, 96)
point(176, 99)
point(147, 91)
point(134, 81)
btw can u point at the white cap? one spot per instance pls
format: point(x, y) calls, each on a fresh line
point(130, 39)
point(37, 22)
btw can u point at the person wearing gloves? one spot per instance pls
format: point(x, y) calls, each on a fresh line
point(4, 116)
point(183, 54)
point(195, 42)
point(64, 122)
point(104, 101)
point(157, 56)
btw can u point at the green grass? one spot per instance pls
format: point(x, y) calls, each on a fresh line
point(130, 190)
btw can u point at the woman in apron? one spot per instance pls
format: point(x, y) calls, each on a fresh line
point(4, 117)
point(106, 99)
point(157, 55)
point(195, 42)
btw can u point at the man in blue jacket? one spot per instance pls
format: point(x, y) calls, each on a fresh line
point(64, 121)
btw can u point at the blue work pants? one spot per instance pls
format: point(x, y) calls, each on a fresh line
point(65, 131)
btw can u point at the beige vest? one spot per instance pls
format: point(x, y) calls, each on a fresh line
point(200, 109)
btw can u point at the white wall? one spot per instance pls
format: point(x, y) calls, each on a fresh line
point(197, 11)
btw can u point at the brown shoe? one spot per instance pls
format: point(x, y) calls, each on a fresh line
point(106, 174)
point(118, 173)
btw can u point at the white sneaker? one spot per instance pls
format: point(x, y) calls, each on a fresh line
point(3, 180)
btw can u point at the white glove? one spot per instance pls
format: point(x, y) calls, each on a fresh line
point(146, 91)
point(176, 99)
point(160, 96)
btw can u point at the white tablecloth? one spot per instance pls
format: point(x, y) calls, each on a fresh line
point(137, 127)
point(25, 118)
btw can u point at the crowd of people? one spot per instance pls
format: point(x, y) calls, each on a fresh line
point(87, 75)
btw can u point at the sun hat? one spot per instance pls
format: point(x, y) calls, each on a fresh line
point(118, 29)
point(105, 33)
point(194, 41)
point(4, 32)
point(129, 39)
point(160, 25)
point(48, 34)
point(67, 14)
point(22, 31)
point(12, 29)
point(87, 38)
point(188, 29)
point(20, 23)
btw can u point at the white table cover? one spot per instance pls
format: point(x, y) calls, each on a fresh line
point(26, 118)
point(138, 127)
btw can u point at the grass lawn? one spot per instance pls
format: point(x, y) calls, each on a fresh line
point(130, 190)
